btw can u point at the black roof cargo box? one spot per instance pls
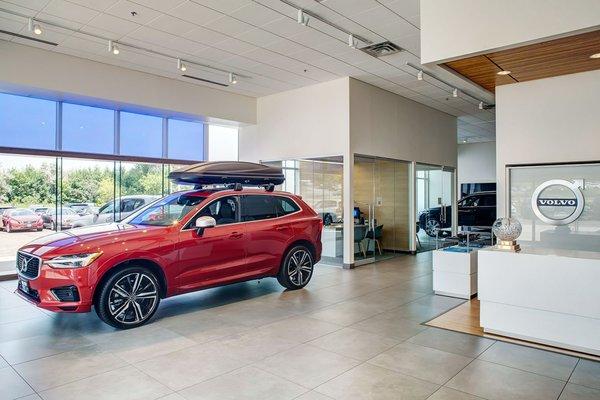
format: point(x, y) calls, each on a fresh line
point(225, 172)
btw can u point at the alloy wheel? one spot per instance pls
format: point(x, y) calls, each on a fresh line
point(300, 267)
point(133, 298)
point(432, 227)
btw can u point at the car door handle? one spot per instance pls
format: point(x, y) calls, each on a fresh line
point(236, 235)
point(281, 227)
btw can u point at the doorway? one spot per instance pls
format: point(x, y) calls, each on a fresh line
point(434, 199)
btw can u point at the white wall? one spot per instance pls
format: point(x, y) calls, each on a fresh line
point(549, 120)
point(456, 28)
point(387, 125)
point(25, 68)
point(476, 163)
point(308, 122)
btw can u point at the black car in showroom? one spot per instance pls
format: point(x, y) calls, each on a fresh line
point(475, 210)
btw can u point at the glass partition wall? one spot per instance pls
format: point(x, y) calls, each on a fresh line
point(434, 199)
point(320, 183)
point(381, 208)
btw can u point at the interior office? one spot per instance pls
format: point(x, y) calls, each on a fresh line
point(370, 142)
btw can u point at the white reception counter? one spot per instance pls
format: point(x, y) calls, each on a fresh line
point(542, 295)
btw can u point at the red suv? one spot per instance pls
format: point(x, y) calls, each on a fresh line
point(181, 243)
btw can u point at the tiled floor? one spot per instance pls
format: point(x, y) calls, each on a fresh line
point(350, 335)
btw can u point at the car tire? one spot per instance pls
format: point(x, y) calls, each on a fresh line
point(39, 229)
point(119, 304)
point(432, 227)
point(297, 268)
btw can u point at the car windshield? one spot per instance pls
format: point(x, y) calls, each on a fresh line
point(21, 213)
point(166, 211)
point(65, 211)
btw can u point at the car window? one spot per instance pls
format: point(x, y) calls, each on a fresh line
point(471, 201)
point(21, 213)
point(258, 207)
point(224, 211)
point(166, 211)
point(284, 206)
point(107, 208)
point(489, 201)
point(129, 205)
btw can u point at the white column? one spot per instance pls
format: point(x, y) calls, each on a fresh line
point(348, 210)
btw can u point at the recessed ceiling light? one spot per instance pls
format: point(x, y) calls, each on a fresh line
point(504, 72)
point(595, 55)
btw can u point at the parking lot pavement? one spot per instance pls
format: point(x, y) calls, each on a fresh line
point(10, 243)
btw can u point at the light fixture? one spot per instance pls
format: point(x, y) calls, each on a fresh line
point(595, 55)
point(33, 27)
point(113, 48)
point(351, 41)
point(503, 72)
point(481, 105)
point(232, 78)
point(420, 75)
point(180, 65)
point(302, 18)
point(455, 92)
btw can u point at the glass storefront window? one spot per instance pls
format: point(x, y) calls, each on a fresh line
point(27, 122)
point(186, 140)
point(141, 135)
point(28, 190)
point(87, 129)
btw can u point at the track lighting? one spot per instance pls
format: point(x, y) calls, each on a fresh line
point(595, 55)
point(420, 75)
point(481, 105)
point(232, 78)
point(302, 18)
point(455, 92)
point(33, 27)
point(180, 65)
point(503, 72)
point(113, 48)
point(351, 41)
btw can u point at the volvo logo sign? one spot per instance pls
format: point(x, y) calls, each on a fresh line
point(23, 265)
point(557, 202)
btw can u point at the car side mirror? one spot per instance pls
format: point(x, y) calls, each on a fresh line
point(204, 222)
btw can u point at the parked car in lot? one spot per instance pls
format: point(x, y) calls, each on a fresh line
point(475, 210)
point(184, 242)
point(83, 208)
point(67, 216)
point(21, 219)
point(126, 205)
point(39, 210)
point(3, 209)
point(329, 210)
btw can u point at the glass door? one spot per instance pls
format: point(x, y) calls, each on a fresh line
point(435, 198)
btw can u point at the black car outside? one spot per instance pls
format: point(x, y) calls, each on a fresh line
point(476, 210)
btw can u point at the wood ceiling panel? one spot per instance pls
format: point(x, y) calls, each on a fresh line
point(482, 71)
point(556, 57)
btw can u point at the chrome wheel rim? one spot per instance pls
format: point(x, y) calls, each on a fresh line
point(133, 298)
point(300, 267)
point(432, 227)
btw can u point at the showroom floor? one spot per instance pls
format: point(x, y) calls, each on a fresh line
point(350, 335)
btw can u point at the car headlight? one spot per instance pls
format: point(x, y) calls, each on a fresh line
point(73, 260)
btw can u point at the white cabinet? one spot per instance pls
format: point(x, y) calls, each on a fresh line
point(455, 273)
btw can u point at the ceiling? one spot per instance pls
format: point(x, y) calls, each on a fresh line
point(259, 40)
point(555, 57)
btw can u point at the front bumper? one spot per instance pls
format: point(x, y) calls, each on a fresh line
point(42, 296)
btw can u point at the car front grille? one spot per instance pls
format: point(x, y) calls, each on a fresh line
point(28, 266)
